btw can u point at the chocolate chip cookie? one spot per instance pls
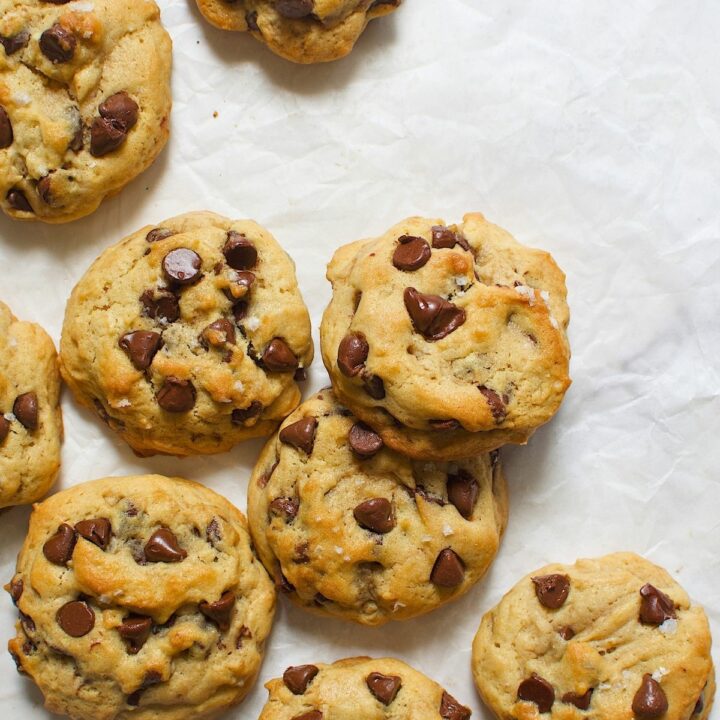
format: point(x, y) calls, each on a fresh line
point(304, 31)
point(612, 638)
point(140, 597)
point(352, 529)
point(84, 102)
point(188, 336)
point(30, 418)
point(363, 688)
point(447, 340)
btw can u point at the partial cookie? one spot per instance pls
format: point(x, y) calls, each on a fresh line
point(448, 341)
point(612, 638)
point(84, 102)
point(360, 688)
point(304, 31)
point(30, 418)
point(189, 336)
point(140, 597)
point(355, 530)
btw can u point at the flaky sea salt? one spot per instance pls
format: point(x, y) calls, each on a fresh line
point(238, 386)
point(461, 281)
point(660, 673)
point(527, 292)
point(9, 417)
point(447, 530)
point(554, 323)
point(123, 403)
point(669, 627)
point(21, 99)
point(339, 550)
point(83, 6)
point(252, 323)
point(426, 538)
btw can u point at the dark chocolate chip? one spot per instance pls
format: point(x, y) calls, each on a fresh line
point(213, 533)
point(655, 606)
point(152, 677)
point(6, 131)
point(463, 491)
point(16, 589)
point(700, 704)
point(4, 428)
point(650, 700)
point(141, 346)
point(285, 507)
point(13, 43)
point(451, 709)
point(121, 108)
point(352, 354)
point(364, 441)
point(220, 611)
point(242, 415)
point(98, 531)
point(297, 678)
point(106, 135)
point(496, 403)
point(281, 582)
point(161, 304)
point(566, 633)
point(163, 546)
point(251, 20)
point(448, 570)
point(17, 201)
point(294, 9)
point(239, 311)
point(429, 497)
point(218, 333)
point(25, 409)
point(240, 253)
point(77, 141)
point(176, 395)
point(159, 233)
point(59, 548)
point(44, 189)
point(444, 237)
point(383, 687)
point(581, 702)
point(58, 44)
point(537, 690)
point(76, 618)
point(278, 357)
point(444, 425)
point(374, 386)
point(432, 316)
point(135, 630)
point(552, 590)
point(182, 266)
point(300, 434)
point(411, 253)
point(300, 375)
point(375, 515)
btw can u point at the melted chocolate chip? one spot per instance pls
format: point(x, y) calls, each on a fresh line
point(451, 709)
point(444, 425)
point(297, 678)
point(6, 131)
point(448, 570)
point(294, 9)
point(496, 403)
point(59, 548)
point(432, 316)
point(4, 428)
point(141, 346)
point(159, 233)
point(98, 531)
point(352, 354)
point(300, 434)
point(163, 546)
point(16, 590)
point(17, 201)
point(552, 590)
point(176, 395)
point(383, 687)
point(537, 690)
point(650, 700)
point(375, 515)
point(25, 409)
point(135, 630)
point(181, 266)
point(463, 491)
point(58, 44)
point(581, 702)
point(285, 507)
point(13, 43)
point(655, 606)
point(444, 237)
point(374, 386)
point(411, 253)
point(220, 611)
point(161, 305)
point(218, 333)
point(76, 618)
point(106, 135)
point(242, 415)
point(240, 253)
point(121, 108)
point(278, 357)
point(364, 441)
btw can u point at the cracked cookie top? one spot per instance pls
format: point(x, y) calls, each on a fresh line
point(188, 336)
point(304, 31)
point(447, 340)
point(84, 102)
point(140, 597)
point(352, 529)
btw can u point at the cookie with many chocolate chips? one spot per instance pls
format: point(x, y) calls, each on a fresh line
point(30, 418)
point(360, 687)
point(611, 638)
point(84, 102)
point(189, 336)
point(352, 529)
point(447, 340)
point(304, 31)
point(140, 597)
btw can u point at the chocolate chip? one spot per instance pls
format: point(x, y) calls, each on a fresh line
point(301, 553)
point(25, 409)
point(98, 531)
point(298, 678)
point(141, 346)
point(44, 190)
point(6, 131)
point(4, 428)
point(105, 136)
point(537, 690)
point(220, 611)
point(59, 548)
point(240, 253)
point(444, 237)
point(281, 582)
point(27, 622)
point(432, 316)
point(312, 715)
point(163, 547)
point(17, 201)
point(364, 441)
point(352, 354)
point(496, 403)
point(650, 700)
point(77, 141)
point(429, 497)
point(242, 415)
point(300, 434)
point(411, 253)
point(76, 618)
point(444, 425)
point(581, 702)
point(13, 43)
point(159, 233)
point(135, 630)
point(700, 704)
point(383, 687)
point(161, 304)
point(251, 20)
point(287, 507)
point(566, 633)
point(463, 491)
point(374, 386)
point(121, 108)
point(244, 279)
point(182, 266)
point(213, 533)
point(218, 333)
point(16, 590)
point(58, 44)
point(278, 357)
point(294, 9)
point(655, 606)
point(300, 375)
point(375, 515)
point(552, 590)
point(176, 395)
point(451, 709)
point(448, 570)
point(152, 677)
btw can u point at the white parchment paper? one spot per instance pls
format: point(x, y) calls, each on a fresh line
point(589, 129)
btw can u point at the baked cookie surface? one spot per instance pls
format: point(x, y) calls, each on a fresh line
point(352, 529)
point(304, 31)
point(84, 102)
point(448, 341)
point(30, 417)
point(187, 337)
point(363, 688)
point(612, 638)
point(140, 597)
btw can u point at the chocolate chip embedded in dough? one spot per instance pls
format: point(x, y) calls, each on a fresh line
point(159, 233)
point(581, 702)
point(220, 611)
point(218, 333)
point(44, 189)
point(432, 316)
point(375, 515)
point(444, 237)
point(300, 434)
point(97, 531)
point(463, 491)
point(537, 690)
point(364, 441)
point(58, 44)
point(384, 687)
point(251, 20)
point(496, 403)
point(135, 630)
point(182, 266)
point(4, 428)
point(295, 9)
point(278, 357)
point(411, 253)
point(121, 108)
point(163, 546)
point(161, 304)
point(106, 135)
point(176, 395)
point(16, 590)
point(552, 590)
point(285, 507)
point(655, 606)
point(17, 201)
point(448, 570)
point(451, 709)
point(59, 548)
point(76, 618)
point(374, 386)
point(650, 700)
point(141, 346)
point(25, 409)
point(352, 354)
point(13, 43)
point(6, 131)
point(242, 415)
point(240, 252)
point(297, 678)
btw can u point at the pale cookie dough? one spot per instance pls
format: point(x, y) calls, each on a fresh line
point(30, 418)
point(304, 31)
point(612, 638)
point(140, 597)
point(189, 336)
point(448, 341)
point(360, 688)
point(84, 102)
point(355, 530)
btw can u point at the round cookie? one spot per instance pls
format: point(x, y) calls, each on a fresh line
point(354, 530)
point(304, 31)
point(612, 638)
point(140, 597)
point(360, 688)
point(448, 341)
point(84, 102)
point(30, 418)
point(189, 336)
